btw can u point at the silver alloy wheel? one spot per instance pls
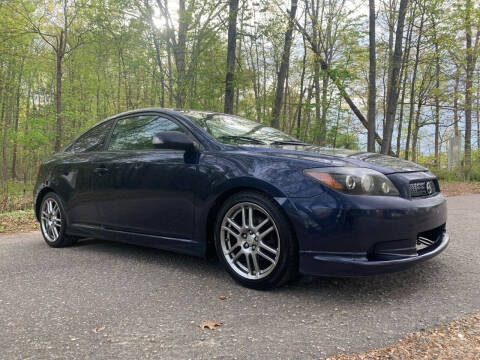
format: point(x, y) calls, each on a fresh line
point(51, 220)
point(250, 240)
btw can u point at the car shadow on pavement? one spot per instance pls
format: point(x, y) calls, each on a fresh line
point(378, 288)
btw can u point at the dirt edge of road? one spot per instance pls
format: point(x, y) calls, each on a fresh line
point(459, 188)
point(459, 339)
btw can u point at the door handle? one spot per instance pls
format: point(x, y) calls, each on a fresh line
point(102, 170)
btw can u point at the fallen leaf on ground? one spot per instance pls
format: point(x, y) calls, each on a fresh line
point(223, 297)
point(97, 330)
point(212, 324)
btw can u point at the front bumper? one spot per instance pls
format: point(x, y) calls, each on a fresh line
point(341, 235)
point(340, 265)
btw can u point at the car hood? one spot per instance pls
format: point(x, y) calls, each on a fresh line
point(339, 157)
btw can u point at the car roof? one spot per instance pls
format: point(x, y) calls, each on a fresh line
point(173, 111)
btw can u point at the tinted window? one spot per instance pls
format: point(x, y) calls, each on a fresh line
point(93, 140)
point(136, 133)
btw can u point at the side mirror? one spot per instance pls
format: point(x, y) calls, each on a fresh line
point(174, 140)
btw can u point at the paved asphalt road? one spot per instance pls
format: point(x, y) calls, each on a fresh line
point(148, 303)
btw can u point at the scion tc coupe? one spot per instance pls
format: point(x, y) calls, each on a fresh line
point(271, 205)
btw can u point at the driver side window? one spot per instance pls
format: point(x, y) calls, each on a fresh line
point(136, 133)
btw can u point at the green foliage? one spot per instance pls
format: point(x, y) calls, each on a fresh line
point(456, 174)
point(118, 58)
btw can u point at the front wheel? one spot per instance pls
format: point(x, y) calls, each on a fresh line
point(53, 222)
point(255, 242)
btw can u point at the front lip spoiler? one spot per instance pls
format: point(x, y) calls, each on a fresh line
point(318, 264)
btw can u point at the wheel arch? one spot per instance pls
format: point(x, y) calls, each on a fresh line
point(38, 200)
point(227, 193)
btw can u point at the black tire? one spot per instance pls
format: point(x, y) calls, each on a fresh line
point(286, 267)
point(62, 240)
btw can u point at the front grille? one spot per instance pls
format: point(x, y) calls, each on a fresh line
point(423, 188)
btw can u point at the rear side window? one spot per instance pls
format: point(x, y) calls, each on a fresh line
point(92, 140)
point(136, 133)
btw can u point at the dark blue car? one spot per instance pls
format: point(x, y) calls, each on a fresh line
point(271, 205)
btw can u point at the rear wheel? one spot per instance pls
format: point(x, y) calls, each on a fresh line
point(53, 222)
point(254, 241)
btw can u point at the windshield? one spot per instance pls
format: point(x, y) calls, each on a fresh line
point(231, 129)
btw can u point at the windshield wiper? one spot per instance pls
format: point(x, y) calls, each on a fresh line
point(242, 138)
point(288, 142)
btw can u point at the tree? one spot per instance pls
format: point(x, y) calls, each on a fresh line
point(372, 86)
point(284, 65)
point(232, 41)
point(59, 33)
point(471, 55)
point(393, 86)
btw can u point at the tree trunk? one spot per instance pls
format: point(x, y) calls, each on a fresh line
point(392, 90)
point(416, 131)
point(412, 88)
point(470, 64)
point(284, 65)
point(286, 107)
point(239, 55)
point(264, 80)
point(437, 106)
point(478, 112)
point(308, 102)
point(455, 103)
point(232, 43)
point(179, 53)
point(302, 91)
point(404, 76)
point(58, 100)
point(97, 97)
point(316, 84)
point(15, 126)
point(5, 117)
point(372, 88)
point(170, 78)
point(323, 122)
point(119, 81)
point(255, 82)
point(160, 68)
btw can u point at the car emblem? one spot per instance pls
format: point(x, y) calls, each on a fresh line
point(429, 187)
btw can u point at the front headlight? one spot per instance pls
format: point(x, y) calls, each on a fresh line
point(354, 181)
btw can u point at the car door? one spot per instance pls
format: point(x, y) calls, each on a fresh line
point(76, 171)
point(142, 189)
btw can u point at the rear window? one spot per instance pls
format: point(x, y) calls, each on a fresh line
point(92, 140)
